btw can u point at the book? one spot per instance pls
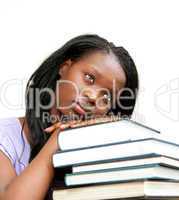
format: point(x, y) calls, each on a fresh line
point(150, 171)
point(120, 150)
point(145, 189)
point(155, 159)
point(103, 132)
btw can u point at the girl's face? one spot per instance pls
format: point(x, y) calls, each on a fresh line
point(86, 86)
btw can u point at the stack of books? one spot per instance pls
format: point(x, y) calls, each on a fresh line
point(116, 160)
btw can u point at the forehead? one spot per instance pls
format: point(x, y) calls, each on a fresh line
point(106, 66)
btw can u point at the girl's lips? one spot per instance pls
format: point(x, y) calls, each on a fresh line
point(79, 109)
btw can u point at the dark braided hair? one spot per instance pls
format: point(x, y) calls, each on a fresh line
point(47, 75)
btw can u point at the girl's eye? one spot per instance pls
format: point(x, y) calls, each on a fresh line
point(89, 78)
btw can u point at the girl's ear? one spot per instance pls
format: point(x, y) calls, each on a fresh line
point(64, 68)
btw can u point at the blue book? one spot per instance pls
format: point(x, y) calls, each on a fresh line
point(120, 150)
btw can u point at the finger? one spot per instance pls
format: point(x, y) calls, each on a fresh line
point(61, 128)
point(54, 126)
point(60, 125)
point(94, 121)
point(81, 123)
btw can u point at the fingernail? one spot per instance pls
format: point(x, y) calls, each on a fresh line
point(47, 129)
point(63, 126)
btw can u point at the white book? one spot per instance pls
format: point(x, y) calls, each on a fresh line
point(104, 133)
point(126, 163)
point(146, 189)
point(122, 174)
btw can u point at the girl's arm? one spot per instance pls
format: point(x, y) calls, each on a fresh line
point(34, 181)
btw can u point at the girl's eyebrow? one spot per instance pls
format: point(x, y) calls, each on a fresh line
point(93, 68)
point(96, 70)
point(98, 73)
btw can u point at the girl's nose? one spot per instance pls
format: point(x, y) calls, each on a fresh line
point(91, 97)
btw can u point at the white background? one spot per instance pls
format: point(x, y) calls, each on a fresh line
point(149, 30)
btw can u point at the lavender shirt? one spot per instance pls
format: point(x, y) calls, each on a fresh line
point(14, 144)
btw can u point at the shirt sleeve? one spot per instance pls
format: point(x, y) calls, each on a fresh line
point(6, 146)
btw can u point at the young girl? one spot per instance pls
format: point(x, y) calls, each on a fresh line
point(88, 76)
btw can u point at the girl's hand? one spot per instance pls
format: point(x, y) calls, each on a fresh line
point(78, 123)
point(60, 125)
point(98, 120)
